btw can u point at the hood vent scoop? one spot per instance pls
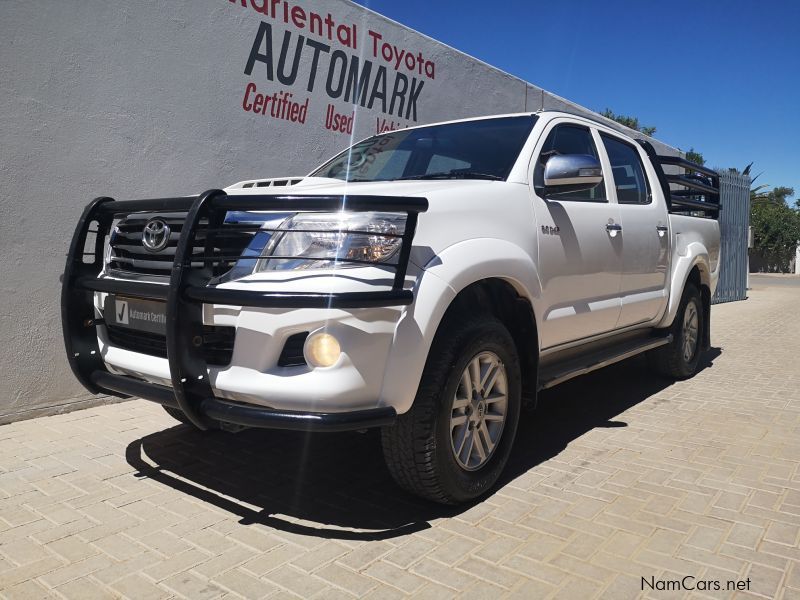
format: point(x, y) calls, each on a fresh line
point(267, 183)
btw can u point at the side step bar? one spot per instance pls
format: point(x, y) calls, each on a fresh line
point(580, 365)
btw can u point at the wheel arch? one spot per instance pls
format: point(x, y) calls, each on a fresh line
point(699, 275)
point(493, 275)
point(500, 298)
point(691, 264)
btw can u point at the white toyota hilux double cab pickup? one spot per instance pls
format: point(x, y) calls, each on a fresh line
point(427, 281)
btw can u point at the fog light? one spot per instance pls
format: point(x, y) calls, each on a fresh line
point(322, 349)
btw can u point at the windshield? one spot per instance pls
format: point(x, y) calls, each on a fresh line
point(485, 149)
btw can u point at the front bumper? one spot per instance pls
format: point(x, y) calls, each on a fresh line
point(217, 409)
point(254, 374)
point(188, 293)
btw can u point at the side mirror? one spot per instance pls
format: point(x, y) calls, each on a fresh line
point(571, 173)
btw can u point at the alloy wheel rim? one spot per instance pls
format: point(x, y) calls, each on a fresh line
point(479, 410)
point(691, 322)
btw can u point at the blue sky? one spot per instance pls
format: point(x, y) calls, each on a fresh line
point(723, 77)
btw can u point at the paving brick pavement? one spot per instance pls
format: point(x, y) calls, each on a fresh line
point(619, 476)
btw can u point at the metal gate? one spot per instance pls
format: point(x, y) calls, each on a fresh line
point(734, 222)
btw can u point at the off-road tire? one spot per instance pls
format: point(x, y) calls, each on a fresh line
point(417, 448)
point(177, 414)
point(669, 360)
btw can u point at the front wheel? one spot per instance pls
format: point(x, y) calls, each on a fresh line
point(454, 442)
point(679, 358)
point(179, 415)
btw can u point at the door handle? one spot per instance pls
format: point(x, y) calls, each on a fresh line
point(662, 230)
point(613, 227)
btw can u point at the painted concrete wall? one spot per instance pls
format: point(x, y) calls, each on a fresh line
point(148, 98)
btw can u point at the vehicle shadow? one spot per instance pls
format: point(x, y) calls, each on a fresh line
point(336, 485)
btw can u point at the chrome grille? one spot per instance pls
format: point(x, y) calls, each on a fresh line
point(128, 253)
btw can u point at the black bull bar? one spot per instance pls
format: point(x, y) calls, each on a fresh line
point(189, 289)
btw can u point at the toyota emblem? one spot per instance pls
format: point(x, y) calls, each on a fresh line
point(155, 235)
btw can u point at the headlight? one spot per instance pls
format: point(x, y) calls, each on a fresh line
point(318, 240)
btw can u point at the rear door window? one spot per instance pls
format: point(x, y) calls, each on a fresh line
point(627, 170)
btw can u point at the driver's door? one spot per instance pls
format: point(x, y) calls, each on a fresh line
point(580, 250)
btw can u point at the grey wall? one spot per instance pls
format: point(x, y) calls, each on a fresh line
point(144, 98)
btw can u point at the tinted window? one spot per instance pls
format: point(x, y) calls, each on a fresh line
point(569, 139)
point(485, 149)
point(628, 172)
point(441, 163)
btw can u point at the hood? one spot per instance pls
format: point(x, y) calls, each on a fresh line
point(322, 186)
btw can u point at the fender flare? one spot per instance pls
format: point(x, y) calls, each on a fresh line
point(438, 284)
point(693, 255)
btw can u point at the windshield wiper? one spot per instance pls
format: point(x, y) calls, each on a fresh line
point(455, 175)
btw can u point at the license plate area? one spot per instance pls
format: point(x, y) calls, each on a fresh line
point(136, 313)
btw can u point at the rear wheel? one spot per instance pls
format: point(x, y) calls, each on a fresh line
point(679, 358)
point(454, 442)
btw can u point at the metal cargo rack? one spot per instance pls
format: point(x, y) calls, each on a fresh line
point(701, 184)
point(191, 286)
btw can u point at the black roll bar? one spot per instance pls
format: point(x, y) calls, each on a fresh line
point(701, 184)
